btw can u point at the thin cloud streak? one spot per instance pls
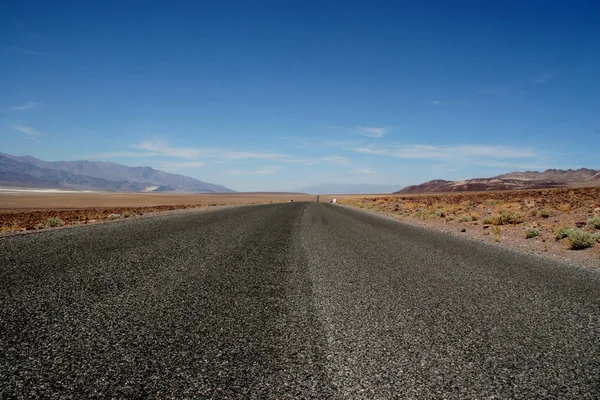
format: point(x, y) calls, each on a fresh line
point(162, 149)
point(368, 131)
point(495, 92)
point(336, 160)
point(372, 132)
point(260, 171)
point(448, 153)
point(182, 165)
point(27, 106)
point(32, 52)
point(29, 132)
point(544, 78)
point(122, 154)
point(157, 148)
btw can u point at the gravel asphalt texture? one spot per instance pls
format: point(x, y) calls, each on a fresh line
point(294, 300)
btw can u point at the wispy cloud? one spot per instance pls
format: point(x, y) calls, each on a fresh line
point(469, 153)
point(435, 102)
point(506, 90)
point(244, 155)
point(336, 160)
point(27, 106)
point(495, 92)
point(365, 171)
point(158, 148)
point(373, 132)
point(368, 131)
point(31, 52)
point(29, 132)
point(544, 78)
point(121, 154)
point(259, 171)
point(182, 165)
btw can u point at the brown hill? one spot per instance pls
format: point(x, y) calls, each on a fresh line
point(551, 178)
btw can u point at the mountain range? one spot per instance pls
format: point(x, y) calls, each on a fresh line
point(96, 175)
point(551, 178)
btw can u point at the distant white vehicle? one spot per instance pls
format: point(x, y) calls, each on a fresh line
point(333, 201)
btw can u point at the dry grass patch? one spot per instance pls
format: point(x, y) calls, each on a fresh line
point(548, 214)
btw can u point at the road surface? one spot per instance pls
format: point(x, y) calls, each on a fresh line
point(296, 300)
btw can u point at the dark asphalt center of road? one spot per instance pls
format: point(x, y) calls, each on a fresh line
point(297, 300)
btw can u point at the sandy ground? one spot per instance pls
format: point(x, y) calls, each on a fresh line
point(28, 201)
point(468, 214)
point(32, 211)
point(547, 210)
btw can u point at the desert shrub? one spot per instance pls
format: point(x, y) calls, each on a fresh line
point(508, 217)
point(126, 214)
point(597, 237)
point(594, 222)
point(13, 226)
point(114, 216)
point(496, 230)
point(532, 232)
point(529, 202)
point(54, 222)
point(580, 239)
point(505, 217)
point(565, 207)
point(544, 213)
point(469, 218)
point(489, 220)
point(562, 232)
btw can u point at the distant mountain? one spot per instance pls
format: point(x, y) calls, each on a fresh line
point(97, 175)
point(551, 178)
point(350, 188)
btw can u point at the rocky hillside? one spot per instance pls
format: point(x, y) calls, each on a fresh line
point(93, 175)
point(551, 178)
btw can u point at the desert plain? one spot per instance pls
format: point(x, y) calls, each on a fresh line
point(31, 210)
point(562, 223)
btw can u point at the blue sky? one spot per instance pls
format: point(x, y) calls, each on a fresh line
point(279, 95)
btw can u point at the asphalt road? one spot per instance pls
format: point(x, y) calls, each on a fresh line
point(296, 300)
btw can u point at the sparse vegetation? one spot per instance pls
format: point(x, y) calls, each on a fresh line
point(562, 232)
point(496, 230)
point(580, 239)
point(544, 213)
point(532, 232)
point(469, 218)
point(529, 202)
point(112, 217)
point(11, 226)
point(594, 223)
point(505, 217)
point(54, 222)
point(512, 218)
point(31, 212)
